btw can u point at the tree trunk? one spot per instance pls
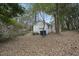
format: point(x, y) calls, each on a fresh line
point(57, 25)
point(35, 17)
point(57, 21)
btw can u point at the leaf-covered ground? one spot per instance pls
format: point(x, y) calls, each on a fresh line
point(66, 43)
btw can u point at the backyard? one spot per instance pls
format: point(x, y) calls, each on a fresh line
point(57, 24)
point(65, 43)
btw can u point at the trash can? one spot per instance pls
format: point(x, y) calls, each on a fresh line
point(43, 33)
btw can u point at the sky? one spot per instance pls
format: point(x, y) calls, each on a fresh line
point(47, 17)
point(26, 5)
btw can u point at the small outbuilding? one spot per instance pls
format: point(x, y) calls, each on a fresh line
point(41, 26)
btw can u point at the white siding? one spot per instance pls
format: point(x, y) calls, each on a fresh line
point(49, 29)
point(53, 26)
point(39, 27)
point(35, 29)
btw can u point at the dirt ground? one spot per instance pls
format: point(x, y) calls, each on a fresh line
point(64, 44)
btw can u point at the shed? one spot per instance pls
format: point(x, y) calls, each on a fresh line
point(40, 26)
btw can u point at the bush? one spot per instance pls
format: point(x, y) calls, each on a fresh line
point(4, 36)
point(11, 30)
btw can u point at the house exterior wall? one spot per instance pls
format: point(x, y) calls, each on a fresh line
point(53, 27)
point(39, 27)
point(49, 29)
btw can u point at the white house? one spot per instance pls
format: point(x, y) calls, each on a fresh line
point(39, 26)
